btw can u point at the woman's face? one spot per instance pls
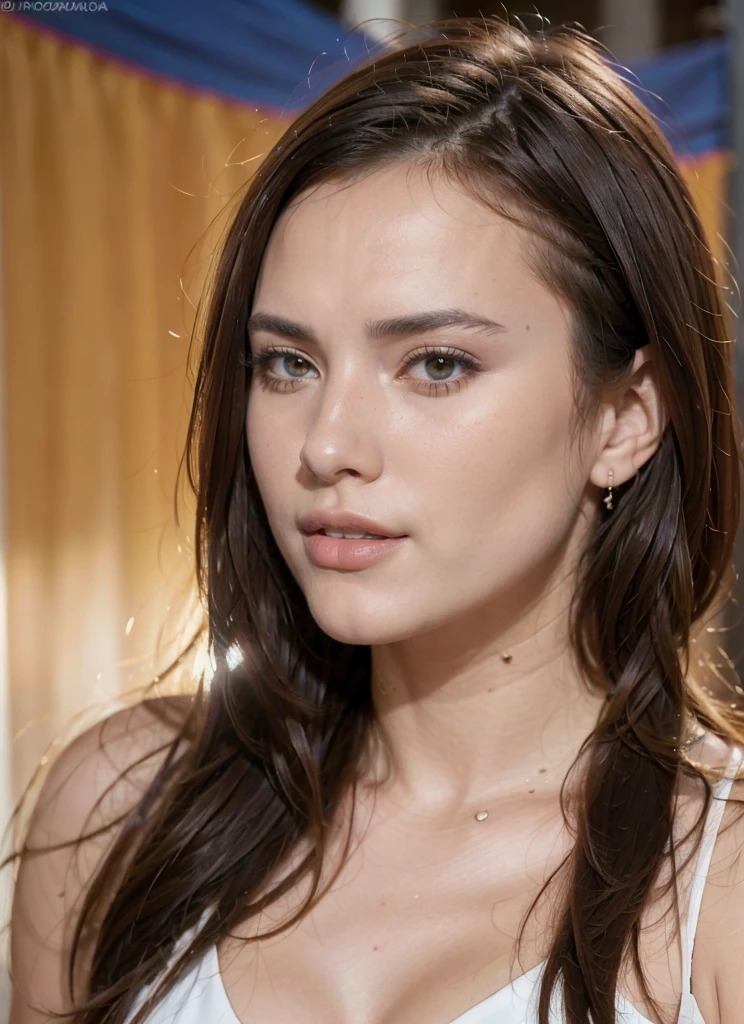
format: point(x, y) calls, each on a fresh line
point(456, 437)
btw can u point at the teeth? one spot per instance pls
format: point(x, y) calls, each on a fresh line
point(351, 535)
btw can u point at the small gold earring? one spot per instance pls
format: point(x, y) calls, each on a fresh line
point(506, 657)
point(608, 497)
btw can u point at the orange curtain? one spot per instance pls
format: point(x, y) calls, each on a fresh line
point(708, 177)
point(108, 179)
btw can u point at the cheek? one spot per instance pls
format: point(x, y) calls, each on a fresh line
point(274, 442)
point(274, 459)
point(500, 490)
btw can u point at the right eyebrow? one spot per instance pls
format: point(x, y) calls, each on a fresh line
point(281, 326)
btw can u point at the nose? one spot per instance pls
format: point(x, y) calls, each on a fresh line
point(344, 428)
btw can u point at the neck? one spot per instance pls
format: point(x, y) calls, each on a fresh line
point(461, 726)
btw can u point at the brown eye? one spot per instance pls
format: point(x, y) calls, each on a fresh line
point(445, 370)
point(293, 363)
point(442, 366)
point(279, 369)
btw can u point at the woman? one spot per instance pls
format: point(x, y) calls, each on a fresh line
point(466, 466)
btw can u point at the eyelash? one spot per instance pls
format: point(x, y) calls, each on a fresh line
point(260, 360)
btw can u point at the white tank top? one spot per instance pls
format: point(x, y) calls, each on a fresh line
point(200, 996)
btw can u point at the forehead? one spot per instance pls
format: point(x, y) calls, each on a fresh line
point(397, 234)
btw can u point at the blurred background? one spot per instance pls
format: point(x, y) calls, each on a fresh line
point(128, 130)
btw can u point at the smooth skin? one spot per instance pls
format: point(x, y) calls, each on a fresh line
point(496, 499)
point(468, 450)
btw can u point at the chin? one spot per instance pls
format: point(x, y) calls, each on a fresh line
point(361, 628)
point(362, 633)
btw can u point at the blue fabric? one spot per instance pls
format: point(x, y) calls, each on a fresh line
point(688, 90)
point(282, 53)
point(255, 51)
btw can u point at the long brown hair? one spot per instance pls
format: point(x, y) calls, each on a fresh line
point(539, 126)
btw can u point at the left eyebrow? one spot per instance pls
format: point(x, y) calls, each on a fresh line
point(419, 323)
point(399, 326)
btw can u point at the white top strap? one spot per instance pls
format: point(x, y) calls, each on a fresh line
point(721, 790)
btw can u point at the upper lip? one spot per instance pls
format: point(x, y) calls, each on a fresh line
point(339, 519)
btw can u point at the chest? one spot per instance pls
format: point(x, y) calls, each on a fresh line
point(420, 924)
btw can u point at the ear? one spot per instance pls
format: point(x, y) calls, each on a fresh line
point(632, 420)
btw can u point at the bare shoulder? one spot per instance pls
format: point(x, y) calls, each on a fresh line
point(116, 757)
point(90, 789)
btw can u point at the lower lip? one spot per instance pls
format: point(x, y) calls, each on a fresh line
point(348, 553)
